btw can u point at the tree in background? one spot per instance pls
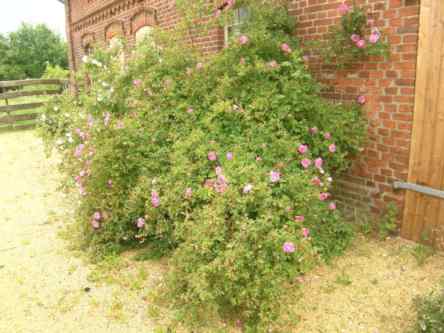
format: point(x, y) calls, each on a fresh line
point(26, 52)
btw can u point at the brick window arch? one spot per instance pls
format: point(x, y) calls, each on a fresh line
point(142, 24)
point(114, 32)
point(87, 41)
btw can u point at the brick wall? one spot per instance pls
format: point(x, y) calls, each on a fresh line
point(387, 85)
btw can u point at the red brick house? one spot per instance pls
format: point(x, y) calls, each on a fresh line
point(389, 86)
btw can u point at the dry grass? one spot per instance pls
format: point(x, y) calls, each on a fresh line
point(44, 287)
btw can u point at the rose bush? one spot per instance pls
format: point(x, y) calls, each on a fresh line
point(229, 162)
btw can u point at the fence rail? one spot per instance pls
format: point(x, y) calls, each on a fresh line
point(11, 114)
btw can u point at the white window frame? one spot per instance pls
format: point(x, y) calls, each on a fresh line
point(234, 29)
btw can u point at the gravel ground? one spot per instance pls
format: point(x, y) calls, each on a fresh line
point(42, 285)
point(45, 288)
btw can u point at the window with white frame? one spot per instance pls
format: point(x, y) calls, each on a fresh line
point(235, 28)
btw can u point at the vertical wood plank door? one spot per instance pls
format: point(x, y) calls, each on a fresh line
point(424, 215)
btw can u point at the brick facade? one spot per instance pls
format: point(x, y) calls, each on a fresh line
point(389, 86)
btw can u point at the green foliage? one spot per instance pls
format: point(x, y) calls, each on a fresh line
point(430, 312)
point(203, 159)
point(387, 224)
point(55, 72)
point(353, 40)
point(26, 52)
point(422, 252)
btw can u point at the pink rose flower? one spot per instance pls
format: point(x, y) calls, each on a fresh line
point(299, 218)
point(218, 13)
point(360, 43)
point(97, 216)
point(361, 99)
point(95, 224)
point(275, 176)
point(316, 181)
point(221, 184)
point(313, 130)
point(273, 64)
point(324, 196)
point(286, 48)
point(302, 149)
point(218, 171)
point(374, 38)
point(332, 148)
point(188, 193)
point(212, 156)
point(247, 188)
point(355, 38)
point(327, 135)
point(137, 82)
point(110, 183)
point(229, 156)
point(305, 232)
point(306, 163)
point(243, 40)
point(140, 222)
point(190, 110)
point(258, 158)
point(332, 206)
point(288, 247)
point(155, 200)
point(343, 8)
point(319, 162)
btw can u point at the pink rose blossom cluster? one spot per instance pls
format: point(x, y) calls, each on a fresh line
point(275, 176)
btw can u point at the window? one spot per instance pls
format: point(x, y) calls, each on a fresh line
point(143, 34)
point(235, 28)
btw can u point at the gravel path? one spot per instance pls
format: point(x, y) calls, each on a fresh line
point(42, 286)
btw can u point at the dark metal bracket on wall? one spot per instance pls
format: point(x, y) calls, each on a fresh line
point(419, 188)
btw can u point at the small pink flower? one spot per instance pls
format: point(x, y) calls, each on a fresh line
point(140, 222)
point(275, 176)
point(273, 64)
point(286, 48)
point(221, 184)
point(305, 232)
point(332, 206)
point(97, 216)
point(332, 148)
point(212, 156)
point(243, 40)
point(79, 150)
point(299, 218)
point(190, 110)
point(217, 13)
point(258, 158)
point(155, 200)
point(343, 8)
point(355, 38)
point(374, 38)
point(199, 66)
point(324, 196)
point(77, 179)
point(188, 193)
point(302, 149)
point(110, 183)
point(218, 171)
point(361, 99)
point(327, 135)
point(319, 162)
point(370, 22)
point(306, 163)
point(229, 156)
point(82, 173)
point(82, 191)
point(229, 4)
point(137, 82)
point(361, 43)
point(242, 61)
point(95, 224)
point(313, 130)
point(288, 247)
point(247, 188)
point(316, 181)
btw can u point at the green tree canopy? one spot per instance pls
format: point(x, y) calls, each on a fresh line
point(26, 52)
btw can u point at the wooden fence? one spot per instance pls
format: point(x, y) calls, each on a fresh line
point(19, 115)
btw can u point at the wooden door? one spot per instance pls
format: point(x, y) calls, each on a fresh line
point(424, 215)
